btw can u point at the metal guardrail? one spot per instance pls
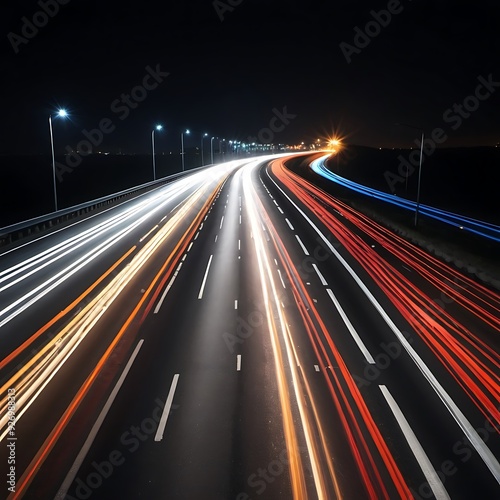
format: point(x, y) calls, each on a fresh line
point(20, 230)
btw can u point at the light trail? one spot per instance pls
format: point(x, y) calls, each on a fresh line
point(82, 326)
point(344, 391)
point(481, 228)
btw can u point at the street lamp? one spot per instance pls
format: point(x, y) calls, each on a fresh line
point(63, 114)
point(421, 130)
point(202, 160)
point(212, 149)
point(182, 147)
point(158, 127)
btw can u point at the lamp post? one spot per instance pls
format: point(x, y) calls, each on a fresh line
point(182, 148)
point(212, 149)
point(63, 114)
point(421, 130)
point(202, 160)
point(158, 127)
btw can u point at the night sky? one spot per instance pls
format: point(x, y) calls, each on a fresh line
point(234, 65)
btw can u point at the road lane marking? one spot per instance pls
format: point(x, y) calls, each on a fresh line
point(304, 249)
point(239, 244)
point(216, 236)
point(281, 211)
point(166, 410)
point(430, 474)
point(200, 295)
point(290, 225)
point(196, 235)
point(68, 480)
point(281, 278)
point(238, 363)
point(221, 222)
point(147, 234)
point(351, 328)
point(189, 247)
point(321, 277)
point(164, 294)
point(236, 304)
point(316, 367)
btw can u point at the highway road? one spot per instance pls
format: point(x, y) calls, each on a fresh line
point(240, 334)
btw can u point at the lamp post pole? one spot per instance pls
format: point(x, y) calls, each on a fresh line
point(212, 149)
point(202, 159)
point(158, 127)
point(63, 114)
point(421, 130)
point(182, 148)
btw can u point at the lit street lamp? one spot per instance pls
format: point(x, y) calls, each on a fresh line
point(182, 148)
point(158, 127)
point(202, 160)
point(212, 149)
point(63, 114)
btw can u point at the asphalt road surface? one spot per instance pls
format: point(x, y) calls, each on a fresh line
point(240, 334)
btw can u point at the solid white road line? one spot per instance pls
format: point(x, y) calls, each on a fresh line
point(68, 480)
point(238, 363)
point(200, 295)
point(430, 474)
point(166, 410)
point(351, 328)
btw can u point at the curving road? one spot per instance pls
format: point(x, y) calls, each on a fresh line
point(240, 334)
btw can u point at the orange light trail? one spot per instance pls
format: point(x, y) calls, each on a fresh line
point(57, 431)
